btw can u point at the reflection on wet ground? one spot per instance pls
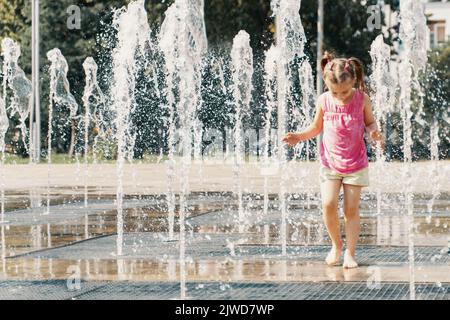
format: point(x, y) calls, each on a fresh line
point(40, 243)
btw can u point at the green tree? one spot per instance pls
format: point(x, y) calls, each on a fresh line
point(95, 38)
point(345, 33)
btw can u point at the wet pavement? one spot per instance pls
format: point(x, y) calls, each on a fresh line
point(54, 245)
point(44, 247)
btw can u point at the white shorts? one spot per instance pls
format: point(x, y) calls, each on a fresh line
point(358, 178)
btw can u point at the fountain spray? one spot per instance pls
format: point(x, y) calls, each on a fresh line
point(413, 34)
point(290, 39)
point(93, 98)
point(14, 78)
point(60, 94)
point(133, 37)
point(182, 40)
point(383, 97)
point(242, 70)
point(270, 78)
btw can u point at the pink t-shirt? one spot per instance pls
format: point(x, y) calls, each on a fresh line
point(343, 148)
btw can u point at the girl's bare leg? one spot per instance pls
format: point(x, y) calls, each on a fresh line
point(330, 197)
point(352, 223)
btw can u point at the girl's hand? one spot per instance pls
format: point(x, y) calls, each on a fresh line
point(291, 139)
point(377, 139)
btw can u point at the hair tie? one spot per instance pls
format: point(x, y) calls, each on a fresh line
point(347, 65)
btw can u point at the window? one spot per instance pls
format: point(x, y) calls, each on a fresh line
point(440, 33)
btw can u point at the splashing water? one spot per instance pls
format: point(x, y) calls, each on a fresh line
point(19, 84)
point(60, 94)
point(133, 37)
point(93, 99)
point(182, 40)
point(168, 36)
point(434, 172)
point(308, 92)
point(308, 104)
point(270, 78)
point(242, 70)
point(59, 85)
point(306, 80)
point(290, 38)
point(290, 34)
point(413, 34)
point(383, 99)
point(95, 104)
point(4, 123)
point(381, 81)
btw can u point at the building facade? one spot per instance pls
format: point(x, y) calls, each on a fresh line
point(438, 20)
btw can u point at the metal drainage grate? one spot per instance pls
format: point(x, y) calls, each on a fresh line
point(57, 289)
point(149, 246)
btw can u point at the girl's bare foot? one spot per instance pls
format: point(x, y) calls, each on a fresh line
point(334, 256)
point(349, 261)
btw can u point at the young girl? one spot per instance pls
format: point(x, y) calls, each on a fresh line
point(343, 112)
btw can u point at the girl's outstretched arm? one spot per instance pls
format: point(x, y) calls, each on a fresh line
point(313, 130)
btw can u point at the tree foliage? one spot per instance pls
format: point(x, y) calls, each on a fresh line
point(346, 33)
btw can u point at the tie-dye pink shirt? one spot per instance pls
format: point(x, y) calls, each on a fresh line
point(343, 148)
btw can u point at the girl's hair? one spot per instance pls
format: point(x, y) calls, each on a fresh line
point(338, 70)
